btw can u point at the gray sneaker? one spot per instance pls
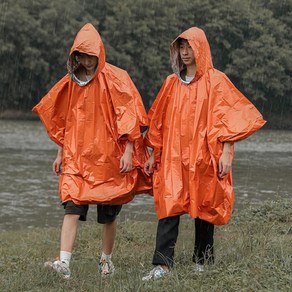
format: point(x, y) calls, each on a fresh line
point(59, 267)
point(198, 268)
point(156, 273)
point(106, 267)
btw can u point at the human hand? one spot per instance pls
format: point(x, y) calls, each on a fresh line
point(224, 164)
point(57, 165)
point(126, 163)
point(149, 165)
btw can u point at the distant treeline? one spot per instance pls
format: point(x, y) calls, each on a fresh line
point(250, 41)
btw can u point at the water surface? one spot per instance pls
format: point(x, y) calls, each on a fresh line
point(262, 169)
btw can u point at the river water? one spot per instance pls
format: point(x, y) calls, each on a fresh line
point(262, 169)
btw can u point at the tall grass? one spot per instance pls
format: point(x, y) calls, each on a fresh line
point(253, 253)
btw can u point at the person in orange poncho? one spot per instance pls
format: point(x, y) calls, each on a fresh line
point(194, 121)
point(94, 114)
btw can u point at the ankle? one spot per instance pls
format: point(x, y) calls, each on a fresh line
point(165, 268)
point(105, 257)
point(65, 257)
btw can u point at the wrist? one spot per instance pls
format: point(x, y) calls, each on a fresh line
point(226, 148)
point(129, 147)
point(128, 151)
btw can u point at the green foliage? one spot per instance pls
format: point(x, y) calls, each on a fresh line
point(137, 41)
point(35, 38)
point(262, 65)
point(250, 41)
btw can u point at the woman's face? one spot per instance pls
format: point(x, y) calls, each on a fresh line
point(89, 62)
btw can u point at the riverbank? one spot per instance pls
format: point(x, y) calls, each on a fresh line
point(253, 253)
point(18, 115)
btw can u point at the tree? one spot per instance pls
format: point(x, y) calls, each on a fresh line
point(33, 52)
point(249, 40)
point(262, 66)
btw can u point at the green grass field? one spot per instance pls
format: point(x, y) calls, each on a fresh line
point(253, 253)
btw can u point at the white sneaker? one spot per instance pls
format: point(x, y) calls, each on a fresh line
point(106, 267)
point(156, 273)
point(60, 268)
point(198, 268)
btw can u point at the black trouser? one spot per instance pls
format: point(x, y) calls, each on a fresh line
point(167, 232)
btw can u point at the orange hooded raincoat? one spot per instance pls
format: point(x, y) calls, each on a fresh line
point(93, 123)
point(188, 125)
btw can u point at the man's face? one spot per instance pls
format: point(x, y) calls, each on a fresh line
point(186, 53)
point(87, 61)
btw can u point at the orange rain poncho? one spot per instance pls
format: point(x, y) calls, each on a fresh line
point(93, 124)
point(188, 123)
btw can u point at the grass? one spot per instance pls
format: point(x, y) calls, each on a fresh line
point(253, 253)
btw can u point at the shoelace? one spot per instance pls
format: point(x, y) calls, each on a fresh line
point(104, 266)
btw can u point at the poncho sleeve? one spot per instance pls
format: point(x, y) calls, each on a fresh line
point(53, 108)
point(140, 109)
point(232, 117)
point(156, 115)
point(128, 107)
